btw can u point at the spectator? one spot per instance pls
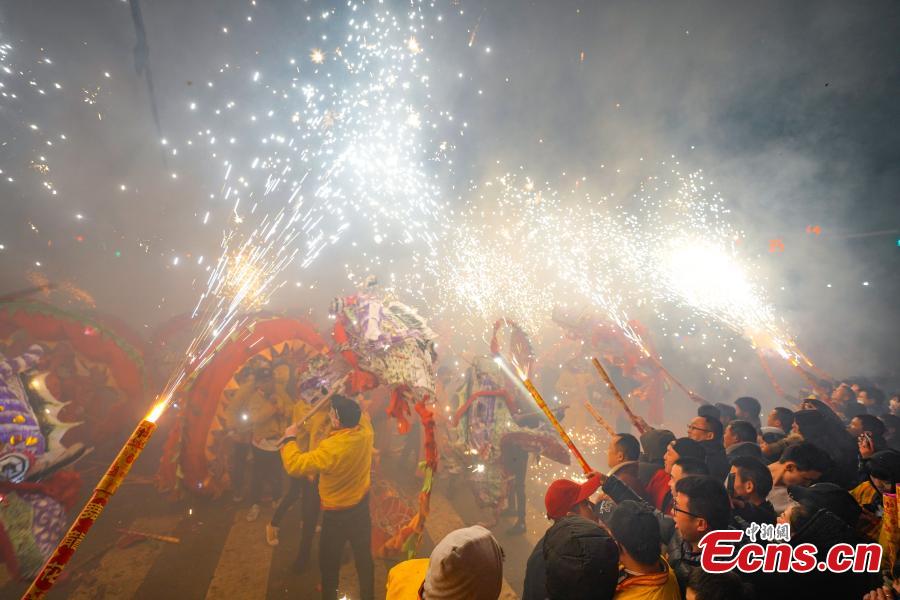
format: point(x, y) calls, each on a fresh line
point(782, 418)
point(563, 498)
point(748, 409)
point(701, 505)
point(803, 465)
point(643, 574)
point(776, 443)
point(682, 448)
point(685, 467)
point(873, 399)
point(622, 458)
point(750, 449)
point(892, 431)
point(843, 398)
point(894, 405)
point(708, 433)
point(710, 586)
point(739, 431)
point(727, 413)
point(651, 469)
point(740, 440)
point(467, 563)
point(821, 427)
point(882, 472)
point(713, 411)
point(868, 424)
point(749, 485)
point(581, 559)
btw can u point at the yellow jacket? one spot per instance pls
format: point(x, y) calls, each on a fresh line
point(314, 430)
point(655, 586)
point(405, 579)
point(343, 461)
point(238, 408)
point(865, 493)
point(267, 416)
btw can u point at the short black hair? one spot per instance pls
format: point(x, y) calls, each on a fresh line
point(755, 470)
point(709, 410)
point(785, 416)
point(628, 445)
point(692, 466)
point(749, 405)
point(347, 410)
point(718, 586)
point(872, 423)
point(637, 530)
point(715, 426)
point(807, 457)
point(744, 430)
point(707, 498)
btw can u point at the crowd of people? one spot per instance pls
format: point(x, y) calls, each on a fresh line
point(829, 470)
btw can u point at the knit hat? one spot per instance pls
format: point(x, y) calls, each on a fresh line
point(467, 563)
point(655, 442)
point(688, 448)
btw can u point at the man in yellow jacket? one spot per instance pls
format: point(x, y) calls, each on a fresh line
point(343, 462)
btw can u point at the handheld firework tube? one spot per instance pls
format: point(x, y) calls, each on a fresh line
point(599, 418)
point(556, 425)
point(631, 416)
point(696, 398)
point(91, 511)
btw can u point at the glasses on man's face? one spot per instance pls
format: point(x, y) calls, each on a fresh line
point(690, 514)
point(692, 427)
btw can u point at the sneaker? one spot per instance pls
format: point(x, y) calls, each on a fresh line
point(253, 513)
point(517, 529)
point(271, 535)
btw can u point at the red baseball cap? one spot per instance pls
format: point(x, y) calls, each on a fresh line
point(563, 494)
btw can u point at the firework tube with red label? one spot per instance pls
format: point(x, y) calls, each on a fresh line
point(91, 511)
point(556, 425)
point(638, 423)
point(600, 420)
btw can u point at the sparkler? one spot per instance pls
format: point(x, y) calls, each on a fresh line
point(635, 420)
point(600, 420)
point(547, 412)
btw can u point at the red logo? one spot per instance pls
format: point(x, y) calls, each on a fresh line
point(721, 552)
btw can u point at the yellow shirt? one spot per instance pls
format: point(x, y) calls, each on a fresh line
point(343, 461)
point(266, 417)
point(405, 579)
point(316, 428)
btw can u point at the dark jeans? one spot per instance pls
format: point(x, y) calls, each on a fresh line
point(308, 492)
point(352, 525)
point(239, 453)
point(267, 470)
point(516, 464)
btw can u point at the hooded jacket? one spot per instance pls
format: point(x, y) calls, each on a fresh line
point(653, 586)
point(716, 460)
point(467, 563)
point(581, 560)
point(343, 461)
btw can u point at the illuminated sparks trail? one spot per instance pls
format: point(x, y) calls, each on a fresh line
point(522, 249)
point(331, 146)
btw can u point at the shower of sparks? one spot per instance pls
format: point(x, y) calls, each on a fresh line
point(328, 150)
point(520, 249)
